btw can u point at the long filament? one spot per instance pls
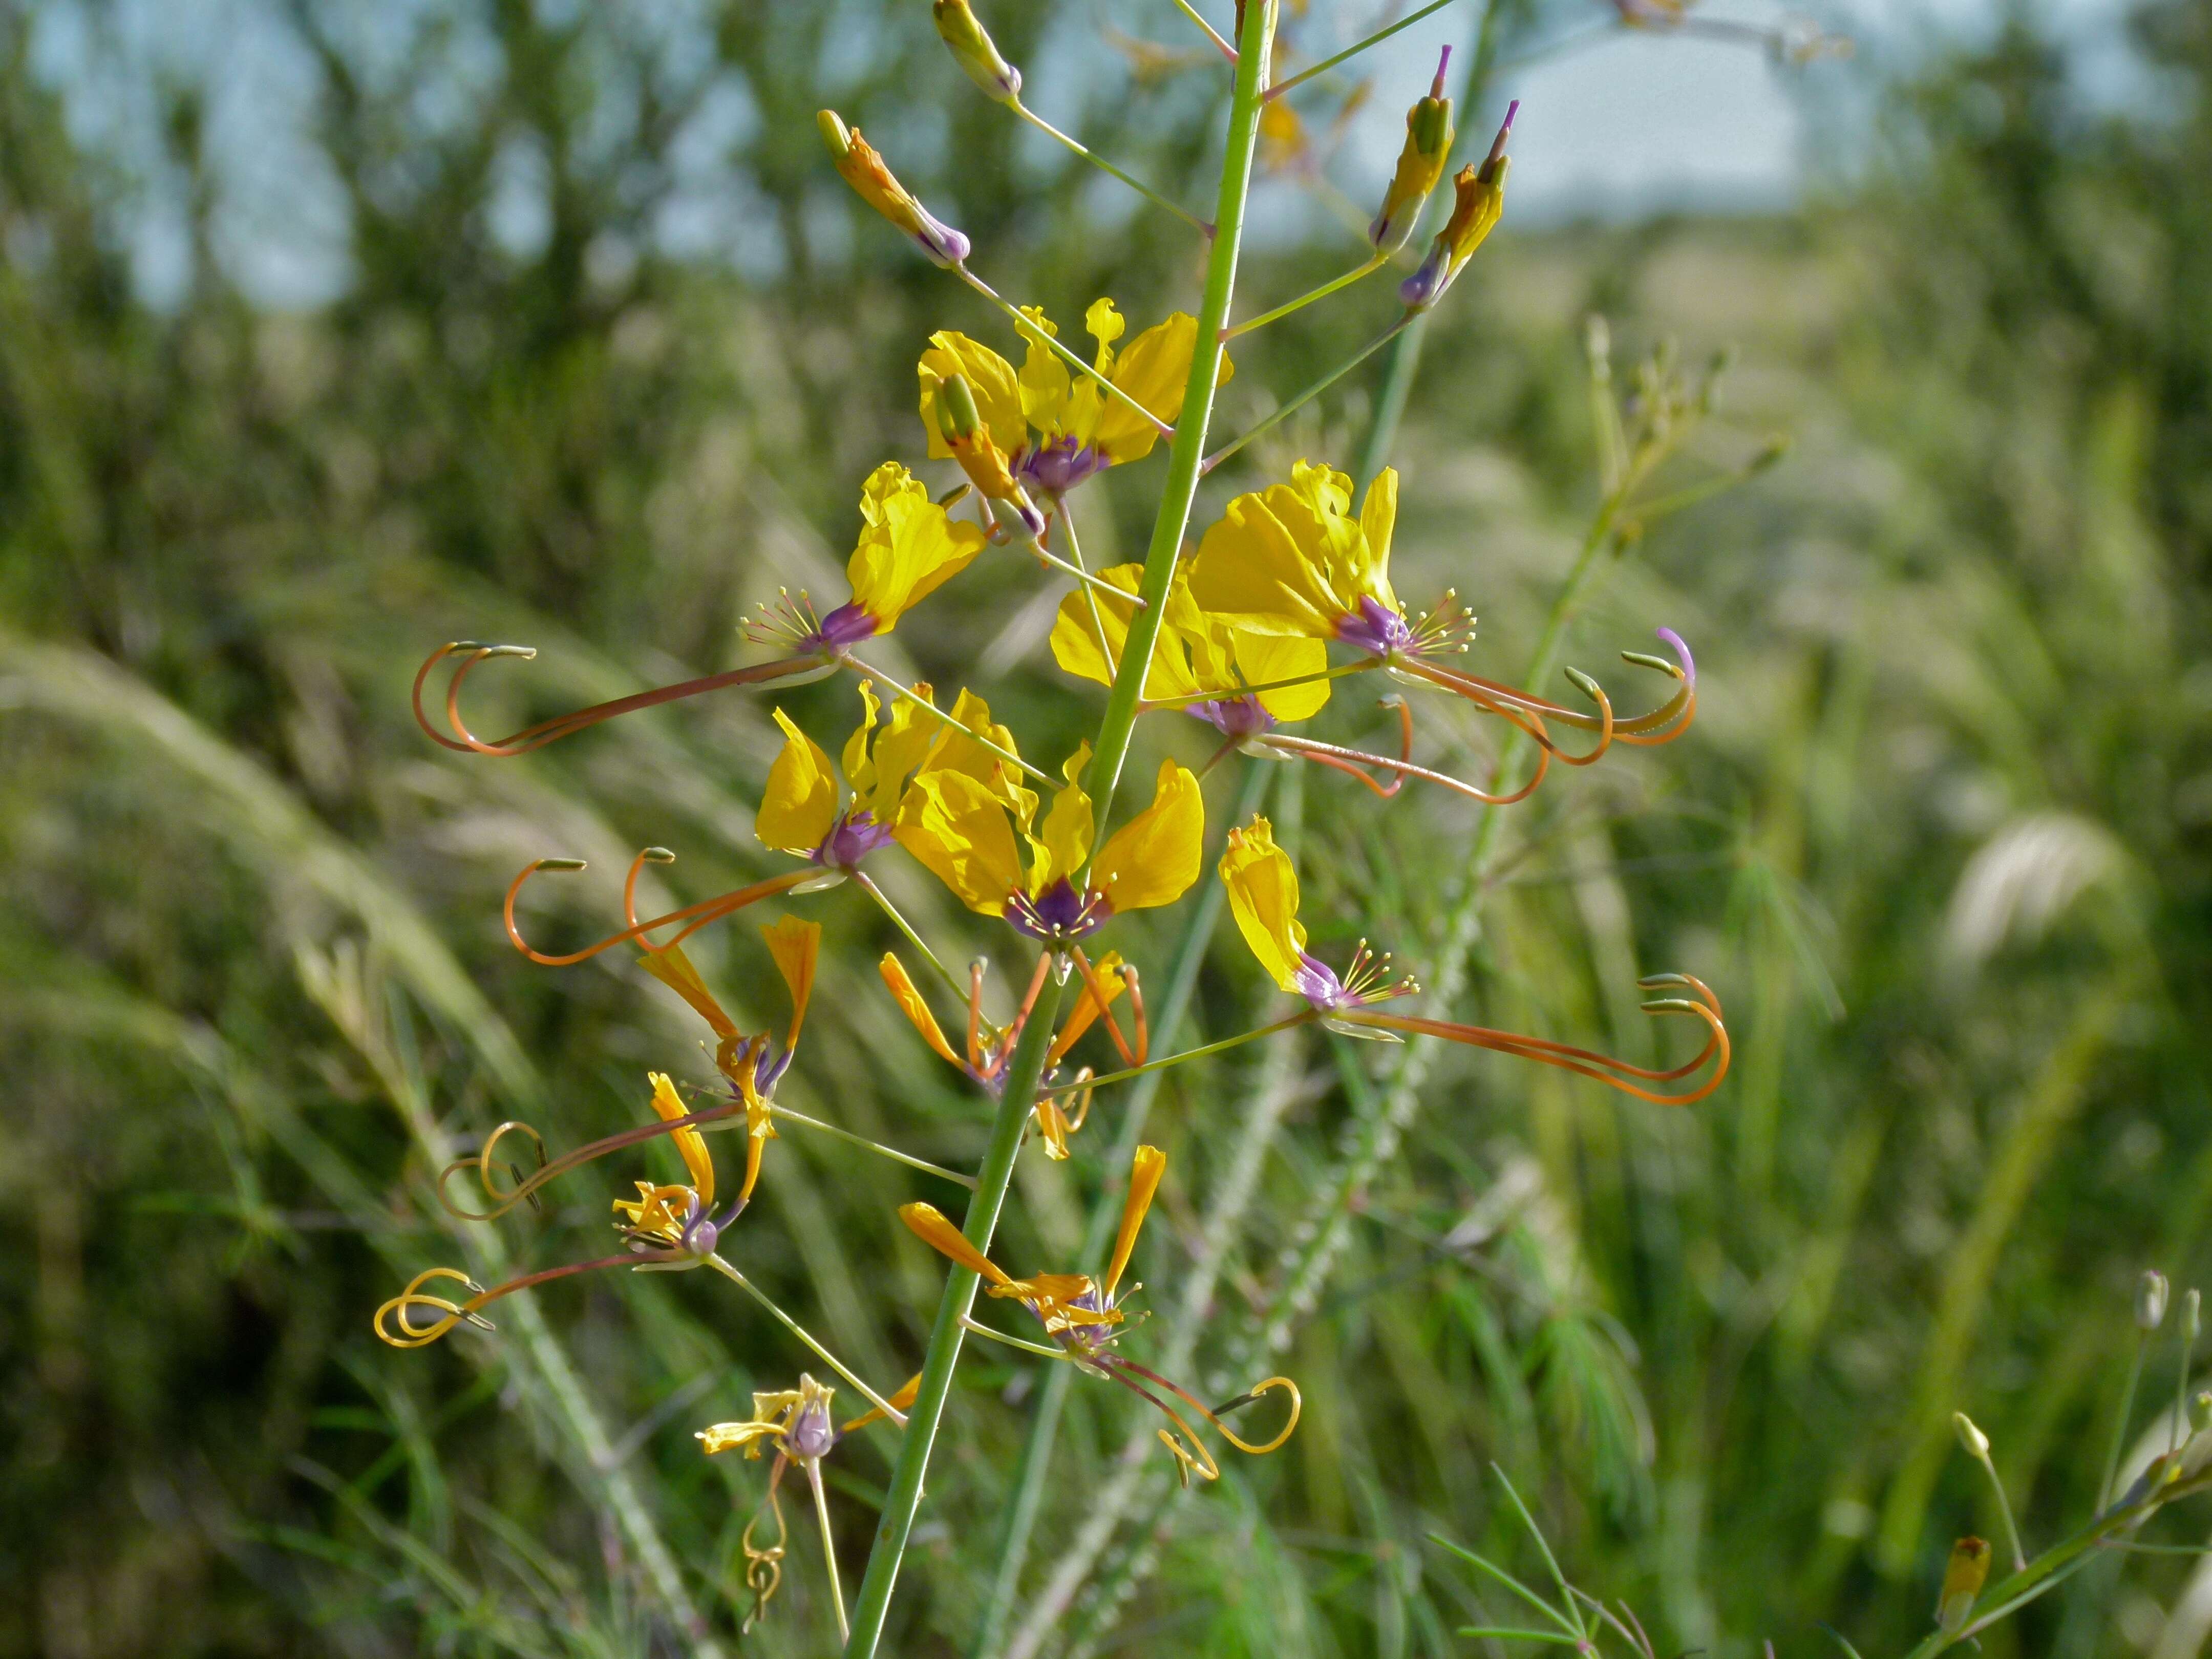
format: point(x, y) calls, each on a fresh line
point(701, 915)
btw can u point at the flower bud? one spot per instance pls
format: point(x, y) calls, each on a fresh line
point(1480, 200)
point(2200, 1412)
point(973, 50)
point(1976, 1443)
point(1964, 1575)
point(2190, 1323)
point(862, 168)
point(957, 415)
point(1421, 164)
point(2150, 1300)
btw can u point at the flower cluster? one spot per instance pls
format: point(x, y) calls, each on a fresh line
point(1288, 592)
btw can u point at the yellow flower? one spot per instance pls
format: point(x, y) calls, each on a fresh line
point(965, 832)
point(1056, 428)
point(862, 168)
point(1292, 560)
point(754, 1065)
point(1262, 885)
point(1200, 663)
point(665, 1214)
point(909, 547)
point(801, 811)
point(1083, 1314)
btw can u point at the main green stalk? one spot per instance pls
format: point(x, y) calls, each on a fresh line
point(1184, 456)
point(1028, 1489)
point(1187, 455)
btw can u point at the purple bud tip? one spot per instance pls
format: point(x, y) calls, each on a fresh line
point(1682, 649)
point(1512, 110)
point(1436, 86)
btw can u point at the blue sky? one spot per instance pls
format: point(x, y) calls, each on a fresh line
point(1619, 125)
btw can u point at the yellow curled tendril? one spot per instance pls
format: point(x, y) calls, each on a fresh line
point(411, 1335)
point(764, 1567)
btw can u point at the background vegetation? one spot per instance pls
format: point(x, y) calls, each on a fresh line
point(1942, 840)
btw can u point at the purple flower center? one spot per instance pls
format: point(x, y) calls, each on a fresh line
point(812, 1434)
point(1058, 915)
point(1233, 717)
point(854, 835)
point(842, 630)
point(1055, 468)
point(1318, 984)
point(1375, 627)
point(1075, 1335)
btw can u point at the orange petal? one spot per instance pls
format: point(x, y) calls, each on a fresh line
point(926, 1225)
point(1145, 1172)
point(674, 969)
point(795, 944)
point(916, 1011)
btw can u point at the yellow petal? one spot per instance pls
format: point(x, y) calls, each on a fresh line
point(1044, 377)
point(668, 1106)
point(958, 829)
point(800, 802)
point(903, 1399)
point(916, 1011)
point(1062, 845)
point(1145, 1172)
point(1155, 370)
point(796, 946)
point(941, 1235)
point(855, 761)
point(953, 748)
point(1154, 858)
point(909, 546)
point(1378, 521)
point(674, 969)
point(899, 748)
point(722, 1436)
point(1252, 573)
point(989, 376)
point(1263, 659)
point(1105, 324)
point(1076, 633)
point(1262, 885)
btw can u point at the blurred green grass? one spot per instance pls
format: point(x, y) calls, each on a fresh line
point(1940, 839)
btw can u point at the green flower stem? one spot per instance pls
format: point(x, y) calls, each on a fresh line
point(1105, 166)
point(2120, 1423)
point(891, 1152)
point(1029, 331)
point(1035, 1461)
point(1027, 1064)
point(829, 1542)
point(1330, 287)
point(1313, 391)
point(883, 902)
point(800, 1331)
point(1304, 1016)
point(904, 1497)
point(975, 1327)
point(1376, 38)
point(1186, 453)
point(1211, 33)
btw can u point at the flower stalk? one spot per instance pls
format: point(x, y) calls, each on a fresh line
point(1185, 454)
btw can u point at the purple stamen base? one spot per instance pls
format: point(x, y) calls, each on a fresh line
point(842, 630)
point(1059, 916)
point(1375, 628)
point(855, 836)
point(1233, 717)
point(1055, 468)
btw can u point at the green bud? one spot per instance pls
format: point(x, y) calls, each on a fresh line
point(2190, 1323)
point(1976, 1443)
point(973, 50)
point(2150, 1300)
point(834, 133)
point(957, 415)
point(2200, 1412)
point(1431, 126)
